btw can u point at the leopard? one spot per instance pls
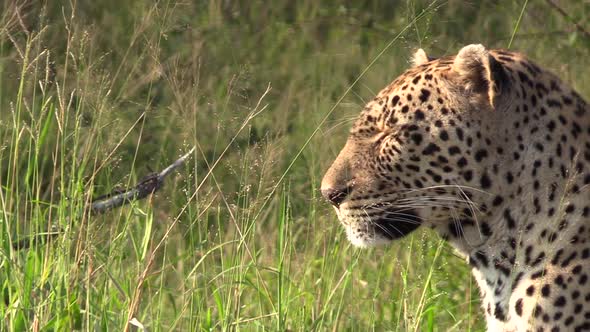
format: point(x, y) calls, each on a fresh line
point(492, 152)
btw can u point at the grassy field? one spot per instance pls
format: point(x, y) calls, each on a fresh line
point(96, 95)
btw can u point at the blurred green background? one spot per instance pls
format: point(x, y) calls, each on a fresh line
point(94, 95)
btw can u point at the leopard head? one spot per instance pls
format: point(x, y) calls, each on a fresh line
point(416, 146)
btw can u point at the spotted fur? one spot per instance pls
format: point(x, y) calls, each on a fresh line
point(493, 152)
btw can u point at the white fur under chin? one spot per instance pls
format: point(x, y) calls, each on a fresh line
point(365, 241)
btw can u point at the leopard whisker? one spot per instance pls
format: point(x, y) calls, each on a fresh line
point(447, 203)
point(409, 221)
point(387, 231)
point(339, 124)
point(447, 199)
point(446, 186)
point(396, 216)
point(437, 198)
point(472, 208)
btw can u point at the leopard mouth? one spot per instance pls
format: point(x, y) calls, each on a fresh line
point(396, 224)
point(365, 228)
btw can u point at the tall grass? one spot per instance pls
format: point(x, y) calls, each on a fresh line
point(95, 95)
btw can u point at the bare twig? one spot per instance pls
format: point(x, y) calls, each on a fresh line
point(147, 186)
point(144, 188)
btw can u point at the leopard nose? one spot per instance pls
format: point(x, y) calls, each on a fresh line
point(335, 195)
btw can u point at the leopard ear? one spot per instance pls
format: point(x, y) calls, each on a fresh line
point(479, 74)
point(420, 58)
